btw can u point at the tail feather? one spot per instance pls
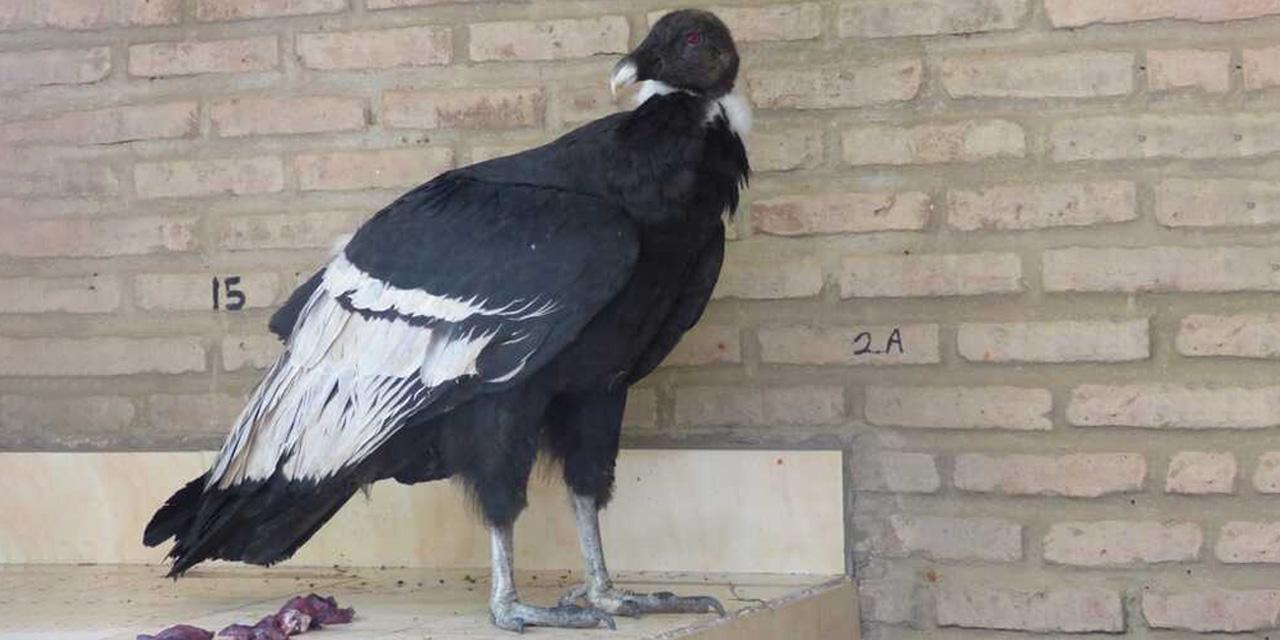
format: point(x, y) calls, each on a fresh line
point(259, 523)
point(176, 515)
point(265, 521)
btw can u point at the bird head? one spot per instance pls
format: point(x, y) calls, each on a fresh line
point(687, 50)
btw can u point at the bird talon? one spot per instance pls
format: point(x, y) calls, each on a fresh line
point(573, 595)
point(712, 603)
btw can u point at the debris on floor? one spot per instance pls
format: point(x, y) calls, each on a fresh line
point(180, 632)
point(299, 615)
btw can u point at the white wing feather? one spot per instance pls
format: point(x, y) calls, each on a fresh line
point(345, 382)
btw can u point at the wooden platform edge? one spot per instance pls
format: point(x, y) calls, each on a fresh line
point(827, 611)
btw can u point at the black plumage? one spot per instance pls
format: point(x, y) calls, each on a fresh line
point(498, 310)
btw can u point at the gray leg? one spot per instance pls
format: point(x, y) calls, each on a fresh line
point(507, 612)
point(598, 590)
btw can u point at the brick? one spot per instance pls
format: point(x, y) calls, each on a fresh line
point(800, 21)
point(155, 12)
point(887, 601)
point(1079, 13)
point(107, 126)
point(41, 357)
point(1120, 543)
point(853, 345)
point(548, 39)
point(707, 344)
point(36, 414)
point(899, 18)
point(211, 56)
point(1017, 408)
point(1172, 69)
point(968, 141)
point(1174, 407)
point(896, 472)
point(1217, 203)
point(1077, 475)
point(784, 151)
point(759, 280)
point(841, 213)
point(1243, 336)
point(257, 351)
point(78, 294)
point(1054, 609)
point(384, 169)
point(207, 413)
point(1261, 68)
point(60, 179)
point(1086, 74)
point(276, 116)
point(207, 10)
point(1239, 135)
point(384, 49)
point(287, 231)
point(942, 538)
point(398, 4)
point(1266, 478)
point(464, 108)
point(738, 406)
point(195, 178)
point(1042, 206)
point(193, 292)
point(575, 104)
point(836, 87)
point(970, 274)
point(1211, 269)
point(642, 409)
point(1249, 542)
point(97, 238)
point(24, 70)
point(1199, 472)
point(1063, 341)
point(1212, 609)
point(84, 14)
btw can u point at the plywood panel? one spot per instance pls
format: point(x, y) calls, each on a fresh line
point(119, 602)
point(688, 510)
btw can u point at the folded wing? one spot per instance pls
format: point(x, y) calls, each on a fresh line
point(461, 287)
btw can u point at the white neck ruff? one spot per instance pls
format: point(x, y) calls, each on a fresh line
point(732, 106)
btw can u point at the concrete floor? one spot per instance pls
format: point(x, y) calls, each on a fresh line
point(117, 602)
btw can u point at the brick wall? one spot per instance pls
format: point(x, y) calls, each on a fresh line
point(1017, 257)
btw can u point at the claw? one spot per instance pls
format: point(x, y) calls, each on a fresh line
point(572, 596)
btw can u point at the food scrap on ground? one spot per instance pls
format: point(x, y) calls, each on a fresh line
point(180, 632)
point(299, 615)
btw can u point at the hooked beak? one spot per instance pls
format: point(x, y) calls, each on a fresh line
point(625, 74)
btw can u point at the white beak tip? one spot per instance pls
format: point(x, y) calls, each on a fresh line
point(624, 74)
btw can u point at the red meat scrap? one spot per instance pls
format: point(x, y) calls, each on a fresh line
point(180, 632)
point(299, 615)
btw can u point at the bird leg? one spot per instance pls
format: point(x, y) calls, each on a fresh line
point(598, 590)
point(507, 612)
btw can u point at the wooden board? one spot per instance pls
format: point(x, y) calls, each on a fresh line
point(119, 602)
point(674, 510)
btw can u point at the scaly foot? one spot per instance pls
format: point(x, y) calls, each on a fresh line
point(626, 603)
point(515, 616)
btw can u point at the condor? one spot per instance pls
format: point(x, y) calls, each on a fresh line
point(498, 310)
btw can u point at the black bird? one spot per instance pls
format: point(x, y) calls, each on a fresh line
point(498, 310)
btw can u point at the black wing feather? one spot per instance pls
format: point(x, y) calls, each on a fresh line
point(691, 302)
point(504, 246)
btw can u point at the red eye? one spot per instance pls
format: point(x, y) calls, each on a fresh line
point(693, 38)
